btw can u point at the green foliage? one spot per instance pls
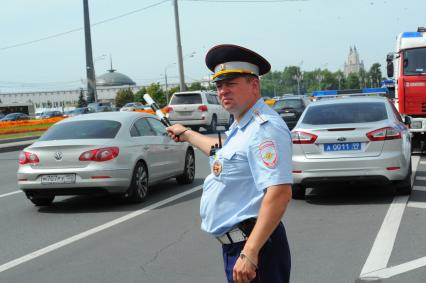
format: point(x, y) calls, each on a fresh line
point(139, 95)
point(82, 102)
point(155, 91)
point(124, 96)
point(353, 81)
point(278, 83)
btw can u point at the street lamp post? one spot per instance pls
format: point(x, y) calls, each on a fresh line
point(319, 78)
point(298, 77)
point(339, 78)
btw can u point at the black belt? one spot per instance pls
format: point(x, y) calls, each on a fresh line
point(239, 233)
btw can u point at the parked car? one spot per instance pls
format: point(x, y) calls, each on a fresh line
point(15, 117)
point(80, 111)
point(117, 153)
point(350, 140)
point(290, 108)
point(132, 106)
point(100, 106)
point(1, 115)
point(51, 114)
point(198, 109)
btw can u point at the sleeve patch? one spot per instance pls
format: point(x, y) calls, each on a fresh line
point(268, 154)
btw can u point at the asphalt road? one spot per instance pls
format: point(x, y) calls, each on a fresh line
point(339, 234)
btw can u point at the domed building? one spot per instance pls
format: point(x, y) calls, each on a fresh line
point(113, 78)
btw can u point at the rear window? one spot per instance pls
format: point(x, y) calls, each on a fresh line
point(88, 129)
point(345, 113)
point(191, 98)
point(288, 103)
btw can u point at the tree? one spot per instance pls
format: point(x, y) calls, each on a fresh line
point(196, 86)
point(375, 75)
point(82, 102)
point(139, 95)
point(155, 91)
point(352, 81)
point(124, 96)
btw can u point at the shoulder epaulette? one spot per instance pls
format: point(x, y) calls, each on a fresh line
point(259, 117)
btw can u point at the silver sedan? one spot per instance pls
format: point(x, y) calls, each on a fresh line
point(114, 152)
point(349, 140)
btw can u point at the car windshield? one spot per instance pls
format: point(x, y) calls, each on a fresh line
point(86, 129)
point(288, 103)
point(415, 62)
point(190, 98)
point(345, 113)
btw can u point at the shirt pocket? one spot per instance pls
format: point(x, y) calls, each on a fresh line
point(235, 165)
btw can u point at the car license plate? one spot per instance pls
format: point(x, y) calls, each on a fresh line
point(58, 179)
point(185, 113)
point(342, 146)
point(287, 114)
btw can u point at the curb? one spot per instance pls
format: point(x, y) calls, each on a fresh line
point(17, 144)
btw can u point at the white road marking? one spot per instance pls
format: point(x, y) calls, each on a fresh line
point(420, 188)
point(385, 239)
point(383, 245)
point(11, 193)
point(421, 178)
point(397, 269)
point(416, 204)
point(60, 244)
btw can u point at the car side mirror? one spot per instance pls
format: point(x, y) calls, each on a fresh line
point(407, 120)
point(389, 65)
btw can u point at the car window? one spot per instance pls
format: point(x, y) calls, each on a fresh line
point(189, 98)
point(142, 128)
point(212, 99)
point(158, 127)
point(397, 115)
point(88, 129)
point(288, 103)
point(343, 113)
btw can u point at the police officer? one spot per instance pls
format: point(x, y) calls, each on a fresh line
point(249, 188)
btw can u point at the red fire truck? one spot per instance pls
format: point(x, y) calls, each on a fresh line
point(408, 68)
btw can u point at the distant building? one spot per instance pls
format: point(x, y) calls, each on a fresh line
point(107, 86)
point(353, 63)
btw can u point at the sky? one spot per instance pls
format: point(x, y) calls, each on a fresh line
point(42, 42)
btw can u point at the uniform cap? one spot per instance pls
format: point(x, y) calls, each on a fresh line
point(228, 61)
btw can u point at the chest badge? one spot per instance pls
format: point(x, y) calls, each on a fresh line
point(217, 168)
point(268, 154)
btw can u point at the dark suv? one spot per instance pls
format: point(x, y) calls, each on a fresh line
point(290, 108)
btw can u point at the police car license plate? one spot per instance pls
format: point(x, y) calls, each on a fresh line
point(58, 179)
point(342, 146)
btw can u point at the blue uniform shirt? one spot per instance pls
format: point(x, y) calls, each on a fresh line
point(256, 155)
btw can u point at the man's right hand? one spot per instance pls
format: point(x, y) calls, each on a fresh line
point(178, 132)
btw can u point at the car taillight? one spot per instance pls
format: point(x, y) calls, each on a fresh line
point(383, 134)
point(299, 137)
point(203, 108)
point(100, 154)
point(168, 109)
point(28, 157)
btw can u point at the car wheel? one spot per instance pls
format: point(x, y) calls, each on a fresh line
point(189, 171)
point(138, 189)
point(41, 200)
point(213, 124)
point(231, 120)
point(298, 191)
point(195, 128)
point(403, 187)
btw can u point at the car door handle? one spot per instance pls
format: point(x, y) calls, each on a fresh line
point(166, 147)
point(146, 147)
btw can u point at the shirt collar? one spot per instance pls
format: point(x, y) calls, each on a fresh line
point(249, 114)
